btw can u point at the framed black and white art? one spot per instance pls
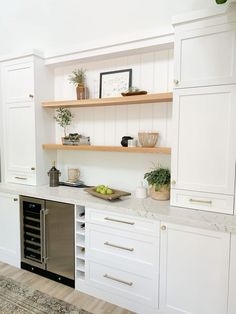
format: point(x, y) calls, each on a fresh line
point(113, 83)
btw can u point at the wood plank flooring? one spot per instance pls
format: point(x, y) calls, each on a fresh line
point(60, 291)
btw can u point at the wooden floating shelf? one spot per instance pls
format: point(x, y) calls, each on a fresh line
point(98, 102)
point(157, 150)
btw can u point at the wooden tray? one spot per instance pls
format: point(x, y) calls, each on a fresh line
point(115, 195)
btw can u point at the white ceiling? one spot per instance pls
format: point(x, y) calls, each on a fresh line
point(55, 26)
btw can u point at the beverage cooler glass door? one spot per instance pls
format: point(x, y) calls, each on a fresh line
point(32, 213)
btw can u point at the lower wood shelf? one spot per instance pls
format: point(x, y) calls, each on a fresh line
point(156, 150)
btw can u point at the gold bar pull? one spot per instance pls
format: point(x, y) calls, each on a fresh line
point(118, 280)
point(199, 201)
point(120, 221)
point(119, 247)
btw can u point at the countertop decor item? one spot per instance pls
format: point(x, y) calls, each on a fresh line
point(113, 83)
point(73, 175)
point(159, 183)
point(132, 91)
point(54, 175)
point(63, 118)
point(115, 195)
point(148, 139)
point(78, 78)
point(124, 140)
point(141, 191)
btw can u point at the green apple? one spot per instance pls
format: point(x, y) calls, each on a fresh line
point(109, 191)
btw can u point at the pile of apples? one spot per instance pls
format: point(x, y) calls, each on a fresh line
point(103, 189)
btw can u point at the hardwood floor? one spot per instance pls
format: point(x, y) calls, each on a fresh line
point(60, 291)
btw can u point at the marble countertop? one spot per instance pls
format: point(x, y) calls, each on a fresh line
point(146, 208)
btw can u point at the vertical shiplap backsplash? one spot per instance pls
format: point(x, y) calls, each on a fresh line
point(106, 125)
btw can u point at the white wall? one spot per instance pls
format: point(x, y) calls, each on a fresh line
point(57, 26)
point(106, 125)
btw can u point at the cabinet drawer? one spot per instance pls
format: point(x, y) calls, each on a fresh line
point(124, 222)
point(124, 247)
point(123, 283)
point(21, 178)
point(205, 201)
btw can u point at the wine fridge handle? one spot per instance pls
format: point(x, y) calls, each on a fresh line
point(45, 257)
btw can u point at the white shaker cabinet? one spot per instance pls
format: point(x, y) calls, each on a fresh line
point(232, 279)
point(205, 49)
point(193, 270)
point(25, 83)
point(10, 229)
point(204, 148)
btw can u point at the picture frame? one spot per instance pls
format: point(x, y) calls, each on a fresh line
point(113, 83)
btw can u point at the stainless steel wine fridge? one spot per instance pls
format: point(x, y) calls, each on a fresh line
point(47, 239)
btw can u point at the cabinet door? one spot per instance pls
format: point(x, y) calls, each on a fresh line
point(20, 138)
point(204, 144)
point(232, 278)
point(9, 229)
point(18, 82)
point(194, 266)
point(206, 56)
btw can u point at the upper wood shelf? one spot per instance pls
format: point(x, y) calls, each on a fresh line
point(157, 150)
point(98, 102)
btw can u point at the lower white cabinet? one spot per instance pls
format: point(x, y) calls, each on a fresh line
point(232, 278)
point(193, 270)
point(10, 229)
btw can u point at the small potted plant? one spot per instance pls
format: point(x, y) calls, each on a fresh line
point(64, 118)
point(159, 183)
point(78, 78)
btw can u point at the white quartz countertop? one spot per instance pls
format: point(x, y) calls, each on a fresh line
point(147, 208)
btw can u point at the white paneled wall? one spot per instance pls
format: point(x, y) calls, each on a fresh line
point(106, 125)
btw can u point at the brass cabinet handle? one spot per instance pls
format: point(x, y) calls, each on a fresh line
point(119, 247)
point(20, 178)
point(163, 228)
point(120, 221)
point(173, 182)
point(199, 201)
point(32, 168)
point(118, 280)
point(31, 96)
point(15, 199)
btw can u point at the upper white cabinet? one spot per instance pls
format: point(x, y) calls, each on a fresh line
point(10, 229)
point(193, 270)
point(25, 83)
point(205, 50)
point(204, 148)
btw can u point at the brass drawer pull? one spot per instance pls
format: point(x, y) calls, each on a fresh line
point(118, 280)
point(120, 221)
point(20, 178)
point(199, 201)
point(15, 199)
point(119, 247)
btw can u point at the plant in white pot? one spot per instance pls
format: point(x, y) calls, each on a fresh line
point(63, 118)
point(78, 78)
point(159, 183)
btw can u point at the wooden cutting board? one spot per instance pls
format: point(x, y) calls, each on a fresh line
point(115, 195)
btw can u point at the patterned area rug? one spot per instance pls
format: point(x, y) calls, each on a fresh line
point(17, 299)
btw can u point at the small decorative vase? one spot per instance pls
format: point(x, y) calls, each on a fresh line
point(161, 195)
point(124, 140)
point(81, 92)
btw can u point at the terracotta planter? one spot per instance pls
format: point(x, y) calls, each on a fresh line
point(81, 92)
point(161, 195)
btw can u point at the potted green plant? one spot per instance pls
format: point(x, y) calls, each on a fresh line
point(221, 1)
point(78, 78)
point(64, 118)
point(159, 183)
